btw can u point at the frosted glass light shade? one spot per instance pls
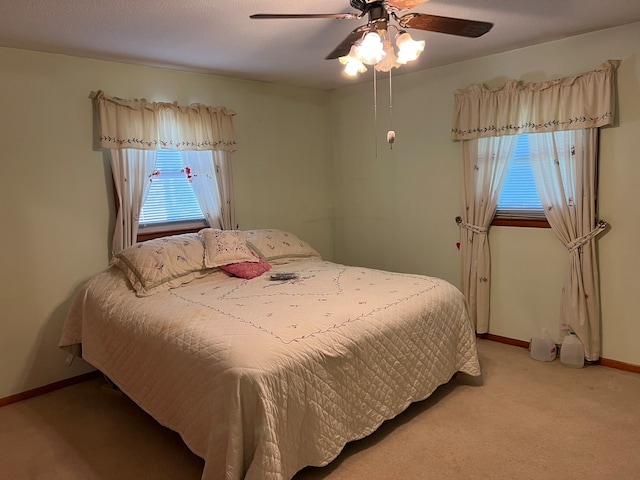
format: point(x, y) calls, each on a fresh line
point(352, 64)
point(390, 60)
point(370, 50)
point(408, 48)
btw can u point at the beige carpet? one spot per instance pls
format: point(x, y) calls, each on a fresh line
point(528, 420)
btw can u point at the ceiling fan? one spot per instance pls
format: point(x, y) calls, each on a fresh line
point(379, 13)
point(371, 43)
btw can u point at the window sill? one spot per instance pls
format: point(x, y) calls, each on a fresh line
point(167, 229)
point(520, 222)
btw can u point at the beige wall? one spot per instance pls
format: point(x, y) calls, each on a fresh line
point(307, 162)
point(396, 210)
point(55, 190)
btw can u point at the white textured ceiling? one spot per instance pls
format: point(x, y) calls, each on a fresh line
point(217, 36)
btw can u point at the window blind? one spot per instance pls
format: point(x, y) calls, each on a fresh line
point(519, 197)
point(170, 197)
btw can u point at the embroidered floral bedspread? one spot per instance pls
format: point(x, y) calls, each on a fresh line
point(262, 378)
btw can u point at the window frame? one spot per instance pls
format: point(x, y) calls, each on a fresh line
point(514, 221)
point(170, 228)
point(160, 230)
point(175, 156)
point(536, 219)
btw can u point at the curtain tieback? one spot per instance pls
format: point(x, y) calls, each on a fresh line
point(473, 228)
point(579, 242)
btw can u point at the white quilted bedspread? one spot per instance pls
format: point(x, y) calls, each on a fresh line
point(262, 378)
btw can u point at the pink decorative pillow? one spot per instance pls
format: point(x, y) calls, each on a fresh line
point(247, 270)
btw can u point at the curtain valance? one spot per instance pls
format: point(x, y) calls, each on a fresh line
point(143, 125)
point(583, 101)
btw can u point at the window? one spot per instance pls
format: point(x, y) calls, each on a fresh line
point(519, 204)
point(171, 204)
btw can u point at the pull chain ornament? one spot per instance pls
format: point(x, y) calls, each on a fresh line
point(391, 137)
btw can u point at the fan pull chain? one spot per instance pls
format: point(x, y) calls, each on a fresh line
point(375, 112)
point(391, 134)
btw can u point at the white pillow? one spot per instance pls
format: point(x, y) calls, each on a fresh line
point(162, 263)
point(276, 246)
point(223, 247)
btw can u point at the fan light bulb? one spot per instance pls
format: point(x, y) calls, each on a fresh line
point(408, 48)
point(352, 64)
point(370, 50)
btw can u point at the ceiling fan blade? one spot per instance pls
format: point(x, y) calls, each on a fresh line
point(344, 48)
point(339, 16)
point(452, 26)
point(405, 4)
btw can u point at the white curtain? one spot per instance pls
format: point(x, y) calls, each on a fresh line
point(564, 168)
point(125, 125)
point(132, 172)
point(147, 125)
point(484, 163)
point(202, 176)
point(224, 174)
point(584, 101)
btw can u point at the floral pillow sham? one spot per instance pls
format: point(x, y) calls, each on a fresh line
point(223, 247)
point(277, 246)
point(162, 263)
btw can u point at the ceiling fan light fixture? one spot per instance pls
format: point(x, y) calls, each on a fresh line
point(380, 13)
point(370, 49)
point(376, 47)
point(390, 60)
point(408, 48)
point(352, 64)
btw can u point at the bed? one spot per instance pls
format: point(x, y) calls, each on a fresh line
point(263, 374)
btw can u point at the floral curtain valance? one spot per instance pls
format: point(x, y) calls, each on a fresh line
point(583, 101)
point(143, 125)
